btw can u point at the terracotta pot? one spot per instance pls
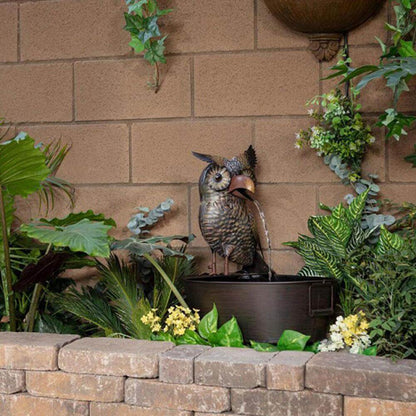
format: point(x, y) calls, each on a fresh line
point(324, 20)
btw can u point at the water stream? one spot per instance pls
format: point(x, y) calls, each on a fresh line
point(266, 234)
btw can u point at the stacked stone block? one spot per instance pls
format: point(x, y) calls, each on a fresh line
point(63, 375)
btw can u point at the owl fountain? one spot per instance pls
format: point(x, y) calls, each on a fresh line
point(264, 303)
point(226, 222)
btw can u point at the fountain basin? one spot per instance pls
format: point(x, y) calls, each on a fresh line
point(263, 308)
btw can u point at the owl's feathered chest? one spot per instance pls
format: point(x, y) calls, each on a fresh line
point(227, 223)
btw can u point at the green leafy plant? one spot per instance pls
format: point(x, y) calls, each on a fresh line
point(142, 248)
point(289, 341)
point(340, 134)
point(335, 238)
point(27, 168)
point(208, 333)
point(385, 282)
point(142, 24)
point(116, 305)
point(397, 67)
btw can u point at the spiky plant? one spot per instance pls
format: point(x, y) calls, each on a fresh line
point(115, 306)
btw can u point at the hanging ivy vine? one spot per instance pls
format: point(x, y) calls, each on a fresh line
point(142, 24)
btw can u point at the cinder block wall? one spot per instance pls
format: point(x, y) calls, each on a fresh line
point(234, 77)
point(61, 375)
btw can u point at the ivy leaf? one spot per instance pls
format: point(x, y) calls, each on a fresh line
point(292, 341)
point(411, 158)
point(151, 6)
point(136, 44)
point(406, 48)
point(155, 51)
point(163, 12)
point(132, 24)
point(137, 7)
point(209, 323)
point(85, 236)
point(149, 30)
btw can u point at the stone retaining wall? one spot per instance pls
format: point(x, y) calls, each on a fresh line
point(63, 375)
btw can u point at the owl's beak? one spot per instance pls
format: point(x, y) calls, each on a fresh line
point(242, 186)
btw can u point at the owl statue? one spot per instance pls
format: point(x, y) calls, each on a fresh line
point(226, 223)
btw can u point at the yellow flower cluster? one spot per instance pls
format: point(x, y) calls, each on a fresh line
point(349, 333)
point(355, 326)
point(180, 319)
point(152, 320)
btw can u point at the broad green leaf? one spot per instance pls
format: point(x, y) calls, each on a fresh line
point(22, 166)
point(85, 236)
point(73, 218)
point(388, 241)
point(229, 335)
point(192, 338)
point(292, 341)
point(209, 323)
point(263, 346)
point(355, 209)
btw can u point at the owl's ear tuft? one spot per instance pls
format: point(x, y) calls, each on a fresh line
point(216, 160)
point(251, 157)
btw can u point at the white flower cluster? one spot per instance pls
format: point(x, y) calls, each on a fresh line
point(347, 333)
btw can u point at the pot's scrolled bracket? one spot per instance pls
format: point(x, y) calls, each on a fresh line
point(324, 45)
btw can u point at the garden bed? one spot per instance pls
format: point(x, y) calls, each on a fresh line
point(51, 374)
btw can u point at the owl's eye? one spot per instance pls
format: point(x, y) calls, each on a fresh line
point(219, 178)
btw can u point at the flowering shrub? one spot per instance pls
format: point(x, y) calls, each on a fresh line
point(178, 321)
point(340, 131)
point(348, 333)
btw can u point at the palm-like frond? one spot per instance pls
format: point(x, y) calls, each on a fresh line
point(55, 154)
point(89, 305)
point(130, 304)
point(176, 268)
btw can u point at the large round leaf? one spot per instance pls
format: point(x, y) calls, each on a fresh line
point(86, 236)
point(22, 166)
